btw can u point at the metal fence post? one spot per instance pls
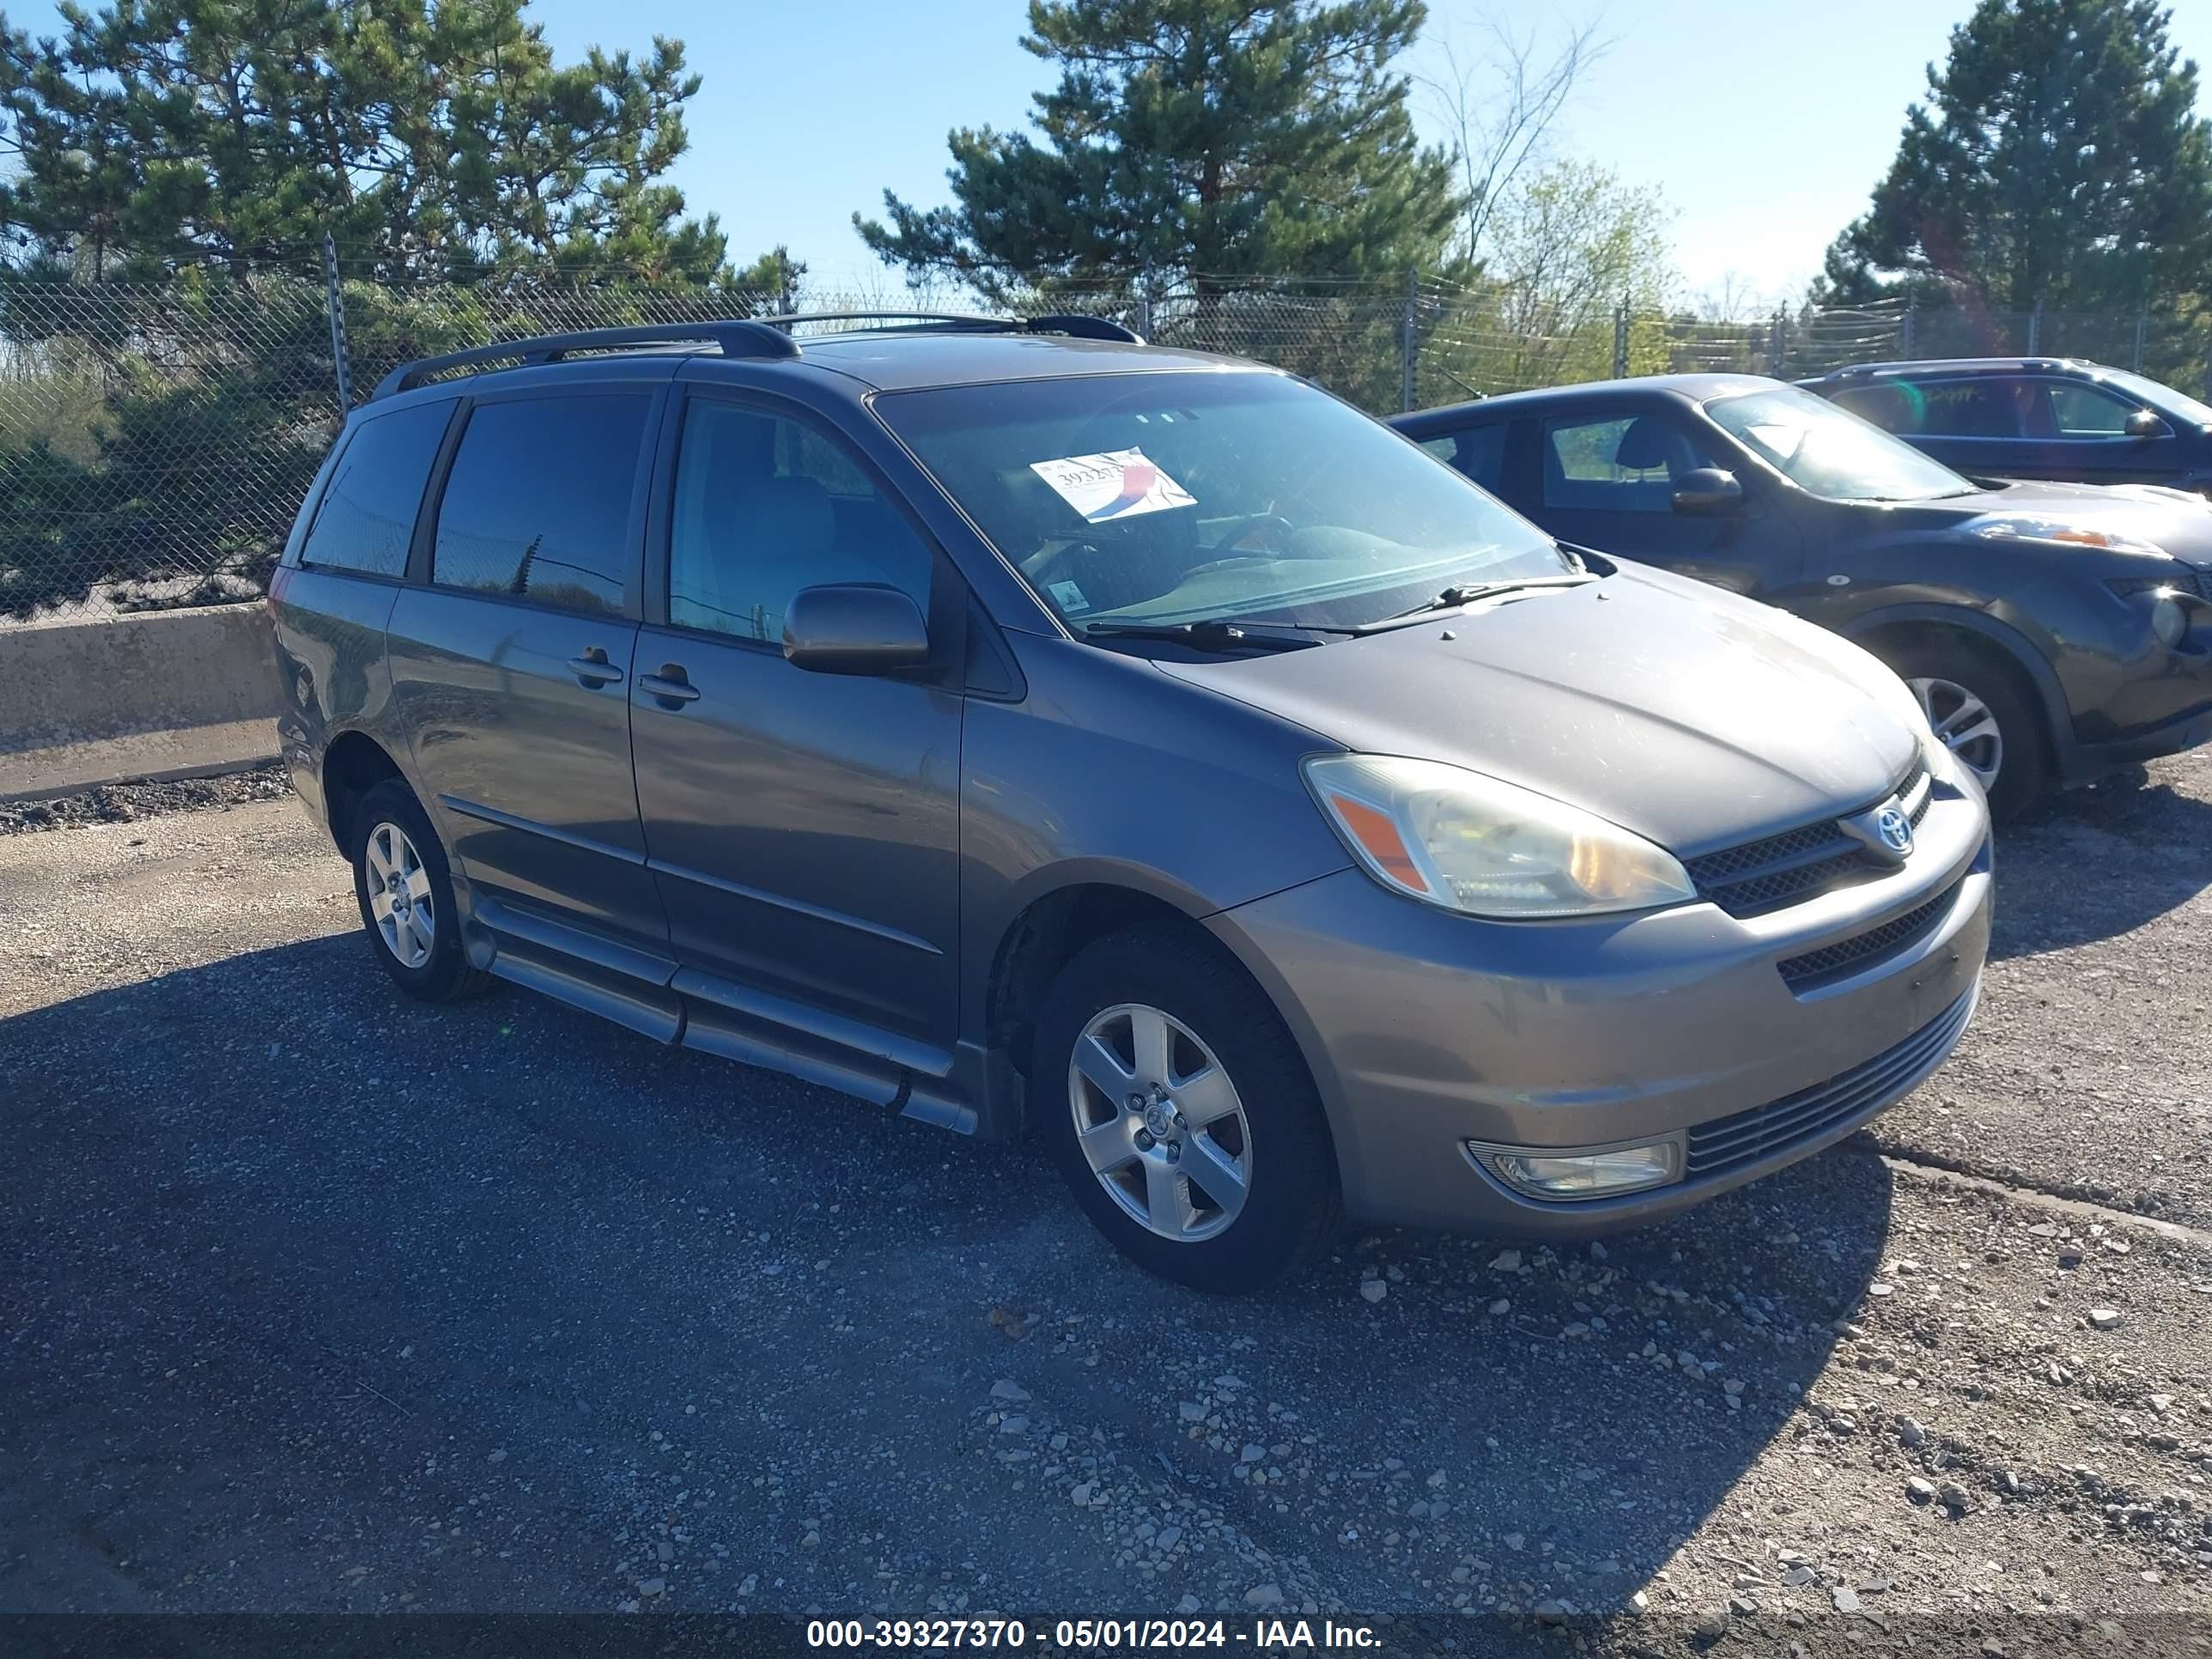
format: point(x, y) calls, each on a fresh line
point(2035, 330)
point(1904, 343)
point(1406, 348)
point(1144, 303)
point(1777, 346)
point(1620, 339)
point(2141, 322)
point(339, 357)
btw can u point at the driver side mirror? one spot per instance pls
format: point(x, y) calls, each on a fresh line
point(1707, 491)
point(2144, 423)
point(854, 627)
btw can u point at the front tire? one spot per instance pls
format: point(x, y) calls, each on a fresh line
point(1978, 707)
point(405, 888)
point(1181, 1116)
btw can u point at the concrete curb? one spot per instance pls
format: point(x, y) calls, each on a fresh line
point(160, 693)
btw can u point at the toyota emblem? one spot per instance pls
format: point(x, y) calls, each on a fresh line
point(1895, 830)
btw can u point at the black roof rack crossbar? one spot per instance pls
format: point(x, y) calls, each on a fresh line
point(1084, 328)
point(737, 336)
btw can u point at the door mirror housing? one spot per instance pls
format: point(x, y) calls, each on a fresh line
point(1707, 491)
point(2145, 424)
point(854, 627)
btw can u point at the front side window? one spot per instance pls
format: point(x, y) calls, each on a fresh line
point(2080, 409)
point(766, 505)
point(537, 503)
point(367, 518)
point(1830, 452)
point(1168, 497)
point(1617, 462)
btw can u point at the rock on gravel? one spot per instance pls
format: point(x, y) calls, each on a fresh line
point(126, 803)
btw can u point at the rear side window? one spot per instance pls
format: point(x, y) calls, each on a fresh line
point(1892, 407)
point(1479, 452)
point(765, 506)
point(1970, 409)
point(537, 503)
point(367, 518)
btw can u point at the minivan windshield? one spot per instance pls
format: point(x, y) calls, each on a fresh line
point(1832, 451)
point(1175, 497)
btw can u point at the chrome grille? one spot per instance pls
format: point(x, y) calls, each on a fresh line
point(1832, 961)
point(1800, 864)
point(1812, 1113)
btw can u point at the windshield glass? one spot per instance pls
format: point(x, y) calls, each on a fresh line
point(1832, 451)
point(2151, 394)
point(1157, 498)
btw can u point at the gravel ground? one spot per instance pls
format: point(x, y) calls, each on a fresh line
point(321, 1301)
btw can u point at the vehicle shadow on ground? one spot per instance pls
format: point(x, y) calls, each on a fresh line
point(302, 1261)
point(2096, 863)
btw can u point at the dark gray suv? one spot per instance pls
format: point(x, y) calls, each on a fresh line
point(1017, 725)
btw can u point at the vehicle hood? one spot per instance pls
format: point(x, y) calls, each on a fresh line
point(1697, 719)
point(2180, 521)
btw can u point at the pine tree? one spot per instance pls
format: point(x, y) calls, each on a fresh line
point(2059, 161)
point(431, 139)
point(1200, 140)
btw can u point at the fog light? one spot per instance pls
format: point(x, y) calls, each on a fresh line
point(2166, 620)
point(1567, 1176)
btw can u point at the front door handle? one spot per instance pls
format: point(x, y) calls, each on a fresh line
point(669, 687)
point(592, 669)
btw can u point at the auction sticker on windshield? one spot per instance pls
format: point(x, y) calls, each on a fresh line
point(1118, 484)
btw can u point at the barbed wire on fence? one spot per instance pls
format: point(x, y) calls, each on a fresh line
point(155, 441)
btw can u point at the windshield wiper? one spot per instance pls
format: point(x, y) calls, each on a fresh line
point(1459, 593)
point(1218, 633)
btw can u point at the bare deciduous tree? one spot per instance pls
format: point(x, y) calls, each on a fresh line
point(1497, 101)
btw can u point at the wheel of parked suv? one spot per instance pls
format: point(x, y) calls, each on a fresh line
point(1181, 1114)
point(1978, 707)
point(406, 891)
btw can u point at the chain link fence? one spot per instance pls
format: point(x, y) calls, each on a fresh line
point(154, 441)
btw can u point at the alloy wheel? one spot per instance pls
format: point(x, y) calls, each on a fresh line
point(1159, 1122)
point(400, 896)
point(1966, 726)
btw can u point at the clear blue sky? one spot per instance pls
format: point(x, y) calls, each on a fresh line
point(1766, 123)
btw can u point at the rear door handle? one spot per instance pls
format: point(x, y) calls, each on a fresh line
point(594, 669)
point(668, 686)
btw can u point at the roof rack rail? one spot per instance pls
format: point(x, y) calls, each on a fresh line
point(747, 337)
point(737, 336)
point(1074, 324)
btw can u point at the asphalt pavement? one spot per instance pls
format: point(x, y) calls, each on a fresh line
point(318, 1300)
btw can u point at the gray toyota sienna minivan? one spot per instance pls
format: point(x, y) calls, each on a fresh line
point(1022, 728)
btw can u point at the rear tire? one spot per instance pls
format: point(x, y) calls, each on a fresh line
point(1965, 692)
point(404, 887)
point(1207, 1158)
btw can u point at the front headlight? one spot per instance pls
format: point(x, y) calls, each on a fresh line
point(1489, 848)
point(2037, 527)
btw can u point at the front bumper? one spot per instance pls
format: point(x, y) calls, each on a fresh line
point(2084, 763)
point(1426, 1031)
